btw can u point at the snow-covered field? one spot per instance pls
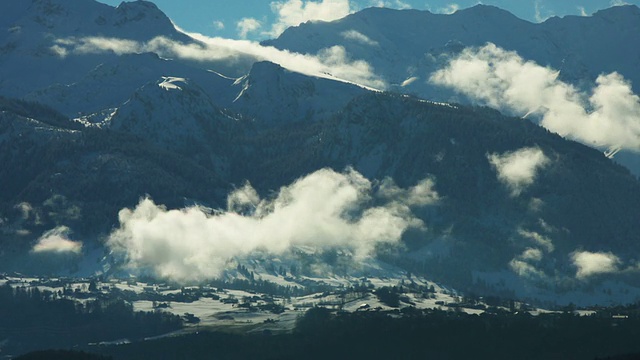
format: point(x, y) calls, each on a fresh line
point(207, 307)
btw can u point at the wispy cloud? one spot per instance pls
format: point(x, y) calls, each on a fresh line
point(324, 210)
point(618, 3)
point(98, 44)
point(524, 267)
point(541, 14)
point(594, 263)
point(393, 4)
point(57, 241)
point(333, 62)
point(527, 263)
point(607, 117)
point(539, 240)
point(246, 26)
point(218, 25)
point(449, 9)
point(25, 210)
point(359, 37)
point(421, 194)
point(583, 11)
point(409, 81)
point(532, 254)
point(294, 12)
point(518, 169)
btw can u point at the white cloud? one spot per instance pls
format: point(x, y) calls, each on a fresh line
point(539, 10)
point(583, 11)
point(246, 26)
point(57, 241)
point(59, 51)
point(243, 200)
point(333, 63)
point(325, 209)
point(608, 117)
point(218, 25)
point(525, 264)
point(518, 169)
point(532, 254)
point(618, 3)
point(90, 45)
point(449, 9)
point(25, 210)
point(359, 37)
point(525, 269)
point(409, 81)
point(420, 195)
point(396, 4)
point(294, 12)
point(538, 239)
point(589, 263)
point(535, 204)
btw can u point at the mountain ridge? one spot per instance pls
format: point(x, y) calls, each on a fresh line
point(468, 27)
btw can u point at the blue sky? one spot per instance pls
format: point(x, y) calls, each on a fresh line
point(260, 19)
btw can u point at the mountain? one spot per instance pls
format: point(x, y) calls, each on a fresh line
point(519, 210)
point(405, 47)
point(403, 44)
point(36, 29)
point(111, 83)
point(56, 173)
point(275, 95)
point(479, 226)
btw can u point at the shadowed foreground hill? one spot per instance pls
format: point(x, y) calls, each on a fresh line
point(416, 335)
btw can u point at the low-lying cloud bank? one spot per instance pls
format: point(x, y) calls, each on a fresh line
point(608, 116)
point(332, 62)
point(325, 210)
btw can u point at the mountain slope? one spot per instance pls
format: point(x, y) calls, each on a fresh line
point(112, 82)
point(273, 95)
point(514, 199)
point(80, 178)
point(406, 47)
point(579, 202)
point(575, 202)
